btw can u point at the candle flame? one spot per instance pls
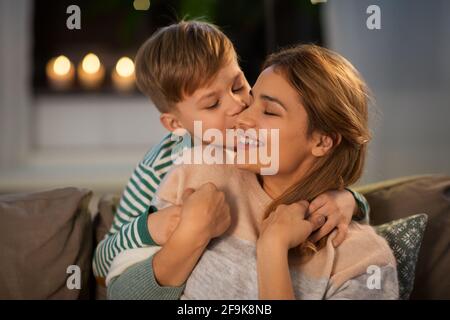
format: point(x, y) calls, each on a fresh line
point(61, 65)
point(125, 67)
point(91, 63)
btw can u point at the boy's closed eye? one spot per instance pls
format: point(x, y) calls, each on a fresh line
point(238, 89)
point(213, 106)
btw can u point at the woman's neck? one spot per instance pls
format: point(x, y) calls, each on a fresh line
point(277, 184)
point(274, 186)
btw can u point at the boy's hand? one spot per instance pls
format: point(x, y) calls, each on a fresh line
point(338, 208)
point(162, 223)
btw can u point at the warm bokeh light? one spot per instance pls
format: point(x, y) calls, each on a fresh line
point(141, 4)
point(125, 67)
point(91, 63)
point(91, 72)
point(60, 73)
point(61, 65)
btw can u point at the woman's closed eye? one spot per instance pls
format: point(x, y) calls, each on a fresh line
point(271, 112)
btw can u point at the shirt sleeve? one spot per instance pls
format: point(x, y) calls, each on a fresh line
point(363, 206)
point(129, 228)
point(138, 283)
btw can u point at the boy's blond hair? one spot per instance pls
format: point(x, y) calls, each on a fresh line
point(179, 59)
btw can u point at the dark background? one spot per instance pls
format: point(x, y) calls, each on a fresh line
point(114, 28)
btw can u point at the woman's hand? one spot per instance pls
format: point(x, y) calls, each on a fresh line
point(286, 227)
point(205, 212)
point(162, 223)
point(205, 215)
point(338, 208)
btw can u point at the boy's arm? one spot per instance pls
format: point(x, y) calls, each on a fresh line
point(122, 235)
point(339, 207)
point(363, 208)
point(129, 228)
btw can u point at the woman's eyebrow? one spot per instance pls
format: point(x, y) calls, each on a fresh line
point(272, 99)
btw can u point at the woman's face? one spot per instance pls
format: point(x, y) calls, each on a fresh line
point(276, 105)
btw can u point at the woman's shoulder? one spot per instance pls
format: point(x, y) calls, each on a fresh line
point(197, 174)
point(192, 175)
point(361, 248)
point(361, 252)
point(363, 244)
point(363, 262)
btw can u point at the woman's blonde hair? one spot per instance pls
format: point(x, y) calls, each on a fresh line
point(335, 98)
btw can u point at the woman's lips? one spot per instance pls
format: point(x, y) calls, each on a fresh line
point(246, 142)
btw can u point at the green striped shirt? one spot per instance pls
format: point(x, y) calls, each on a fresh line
point(129, 229)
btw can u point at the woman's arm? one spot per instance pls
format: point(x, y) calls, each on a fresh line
point(138, 283)
point(205, 215)
point(283, 229)
point(175, 261)
point(274, 279)
point(162, 276)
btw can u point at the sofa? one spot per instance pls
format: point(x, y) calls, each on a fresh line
point(47, 237)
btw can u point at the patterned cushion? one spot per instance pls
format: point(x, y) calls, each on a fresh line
point(405, 237)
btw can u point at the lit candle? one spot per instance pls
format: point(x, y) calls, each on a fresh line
point(60, 72)
point(123, 74)
point(91, 71)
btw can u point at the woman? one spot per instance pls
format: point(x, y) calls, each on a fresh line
point(318, 102)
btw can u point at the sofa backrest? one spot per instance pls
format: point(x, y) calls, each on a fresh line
point(394, 199)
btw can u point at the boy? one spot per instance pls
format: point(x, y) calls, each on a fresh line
point(190, 71)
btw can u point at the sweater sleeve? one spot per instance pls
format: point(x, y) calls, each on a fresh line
point(138, 283)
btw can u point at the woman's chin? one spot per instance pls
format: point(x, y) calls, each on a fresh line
point(255, 168)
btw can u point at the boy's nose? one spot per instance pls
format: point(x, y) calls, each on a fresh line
point(245, 120)
point(238, 106)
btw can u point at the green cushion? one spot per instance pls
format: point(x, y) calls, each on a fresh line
point(405, 237)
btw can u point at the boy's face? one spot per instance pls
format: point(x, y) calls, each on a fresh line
point(215, 105)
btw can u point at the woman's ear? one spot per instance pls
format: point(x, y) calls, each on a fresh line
point(323, 143)
point(170, 122)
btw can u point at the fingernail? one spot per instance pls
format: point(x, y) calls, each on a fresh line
point(321, 219)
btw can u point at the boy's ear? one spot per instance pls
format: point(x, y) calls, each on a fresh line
point(170, 122)
point(323, 143)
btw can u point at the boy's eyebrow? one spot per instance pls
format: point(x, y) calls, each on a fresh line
point(239, 75)
point(208, 95)
point(272, 99)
